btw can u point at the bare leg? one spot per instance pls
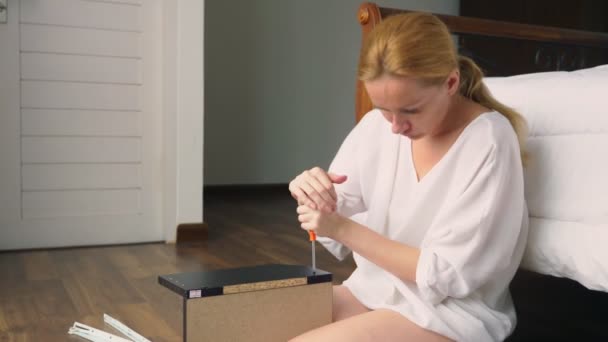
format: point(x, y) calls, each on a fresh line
point(345, 305)
point(378, 325)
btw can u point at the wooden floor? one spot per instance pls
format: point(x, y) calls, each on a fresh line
point(42, 293)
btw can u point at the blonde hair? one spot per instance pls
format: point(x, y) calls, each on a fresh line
point(419, 45)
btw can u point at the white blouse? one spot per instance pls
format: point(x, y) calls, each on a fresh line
point(467, 216)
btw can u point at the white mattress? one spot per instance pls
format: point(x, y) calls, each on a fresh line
point(569, 249)
point(567, 177)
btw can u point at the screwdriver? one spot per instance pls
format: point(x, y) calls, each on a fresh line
point(312, 237)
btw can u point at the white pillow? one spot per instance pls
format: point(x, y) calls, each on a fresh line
point(567, 177)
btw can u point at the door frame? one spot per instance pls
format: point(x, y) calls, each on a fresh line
point(182, 113)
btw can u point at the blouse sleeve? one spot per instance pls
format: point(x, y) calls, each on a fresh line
point(475, 236)
point(350, 200)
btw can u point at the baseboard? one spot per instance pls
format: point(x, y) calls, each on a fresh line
point(192, 232)
point(245, 188)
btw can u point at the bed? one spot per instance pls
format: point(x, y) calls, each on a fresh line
point(558, 79)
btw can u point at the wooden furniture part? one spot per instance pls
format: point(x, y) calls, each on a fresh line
point(260, 303)
point(548, 308)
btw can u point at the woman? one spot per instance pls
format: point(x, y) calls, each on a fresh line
point(436, 171)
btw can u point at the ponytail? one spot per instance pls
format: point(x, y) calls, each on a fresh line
point(473, 88)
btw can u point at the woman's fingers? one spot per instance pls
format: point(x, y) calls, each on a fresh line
point(309, 219)
point(307, 226)
point(315, 188)
point(303, 209)
point(325, 181)
point(300, 190)
point(310, 197)
point(305, 214)
point(302, 198)
point(337, 179)
point(322, 195)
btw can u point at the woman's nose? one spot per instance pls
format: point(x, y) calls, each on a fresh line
point(399, 125)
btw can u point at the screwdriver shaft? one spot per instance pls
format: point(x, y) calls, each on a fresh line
point(313, 237)
point(314, 259)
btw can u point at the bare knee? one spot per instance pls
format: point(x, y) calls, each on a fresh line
point(305, 337)
point(297, 339)
point(345, 305)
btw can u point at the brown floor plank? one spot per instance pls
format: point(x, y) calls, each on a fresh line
point(3, 323)
point(144, 318)
point(166, 303)
point(39, 266)
point(13, 270)
point(79, 296)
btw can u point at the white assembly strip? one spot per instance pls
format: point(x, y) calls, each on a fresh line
point(93, 334)
point(132, 334)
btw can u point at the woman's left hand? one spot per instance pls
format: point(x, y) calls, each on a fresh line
point(322, 223)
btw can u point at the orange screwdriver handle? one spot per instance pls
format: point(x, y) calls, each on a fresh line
point(311, 235)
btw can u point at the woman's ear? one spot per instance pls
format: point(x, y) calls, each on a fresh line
point(453, 81)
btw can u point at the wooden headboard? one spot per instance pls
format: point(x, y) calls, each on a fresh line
point(548, 308)
point(538, 48)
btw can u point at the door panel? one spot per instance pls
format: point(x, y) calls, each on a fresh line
point(79, 130)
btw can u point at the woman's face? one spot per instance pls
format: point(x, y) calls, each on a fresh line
point(413, 109)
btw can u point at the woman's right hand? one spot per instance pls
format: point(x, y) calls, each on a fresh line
point(315, 189)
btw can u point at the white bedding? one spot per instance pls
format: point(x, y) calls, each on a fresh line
point(567, 177)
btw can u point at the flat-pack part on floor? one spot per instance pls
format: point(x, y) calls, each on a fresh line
point(259, 303)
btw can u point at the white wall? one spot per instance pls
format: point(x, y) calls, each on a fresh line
point(280, 84)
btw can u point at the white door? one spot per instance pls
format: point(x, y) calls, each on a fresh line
point(79, 123)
